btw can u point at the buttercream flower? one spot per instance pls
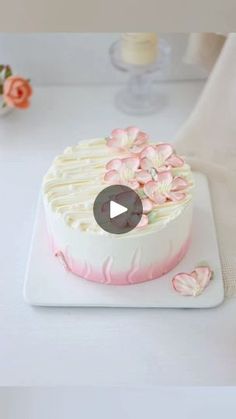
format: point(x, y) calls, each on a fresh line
point(143, 176)
point(129, 139)
point(160, 157)
point(166, 187)
point(143, 222)
point(194, 283)
point(147, 207)
point(123, 172)
point(16, 92)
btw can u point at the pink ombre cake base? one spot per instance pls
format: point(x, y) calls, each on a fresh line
point(135, 275)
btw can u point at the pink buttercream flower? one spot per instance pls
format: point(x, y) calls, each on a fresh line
point(147, 207)
point(166, 188)
point(160, 157)
point(143, 222)
point(194, 283)
point(129, 139)
point(143, 176)
point(123, 172)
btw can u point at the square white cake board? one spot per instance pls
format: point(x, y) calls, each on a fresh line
point(48, 284)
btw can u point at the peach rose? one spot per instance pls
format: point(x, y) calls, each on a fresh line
point(16, 92)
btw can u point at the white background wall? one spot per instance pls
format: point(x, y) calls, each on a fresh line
point(72, 58)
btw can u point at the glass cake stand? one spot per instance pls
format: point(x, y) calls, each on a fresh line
point(140, 96)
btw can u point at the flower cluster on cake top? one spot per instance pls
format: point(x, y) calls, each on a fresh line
point(146, 168)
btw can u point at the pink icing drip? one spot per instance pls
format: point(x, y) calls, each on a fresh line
point(134, 276)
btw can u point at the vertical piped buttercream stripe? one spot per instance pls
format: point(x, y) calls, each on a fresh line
point(135, 265)
point(62, 259)
point(87, 269)
point(107, 270)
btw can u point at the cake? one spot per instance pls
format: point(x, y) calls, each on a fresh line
point(161, 178)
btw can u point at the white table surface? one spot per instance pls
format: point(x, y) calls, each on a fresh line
point(117, 403)
point(133, 347)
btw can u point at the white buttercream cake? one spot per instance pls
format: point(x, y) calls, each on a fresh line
point(161, 178)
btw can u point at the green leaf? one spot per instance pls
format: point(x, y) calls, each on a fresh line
point(141, 193)
point(1, 89)
point(152, 217)
point(8, 72)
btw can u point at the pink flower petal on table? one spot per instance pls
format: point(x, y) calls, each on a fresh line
point(185, 284)
point(112, 177)
point(165, 150)
point(143, 176)
point(175, 161)
point(143, 222)
point(203, 275)
point(178, 184)
point(147, 205)
point(114, 164)
point(192, 284)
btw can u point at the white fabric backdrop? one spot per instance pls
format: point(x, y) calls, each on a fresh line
point(208, 138)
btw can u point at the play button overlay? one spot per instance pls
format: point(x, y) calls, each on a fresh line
point(117, 209)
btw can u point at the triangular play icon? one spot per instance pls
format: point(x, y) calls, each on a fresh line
point(116, 209)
